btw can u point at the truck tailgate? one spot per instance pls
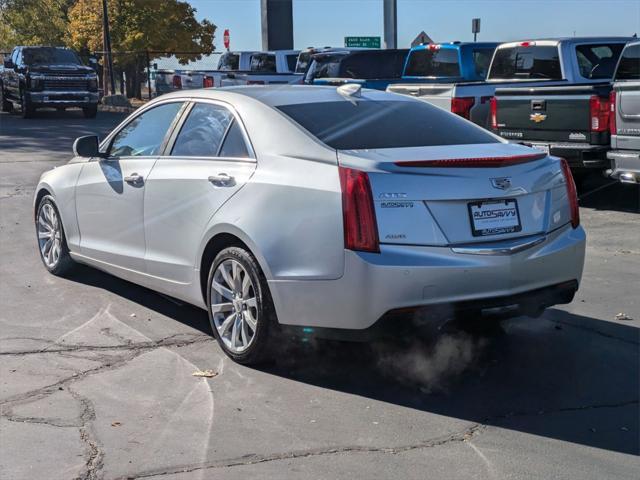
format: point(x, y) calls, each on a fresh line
point(548, 114)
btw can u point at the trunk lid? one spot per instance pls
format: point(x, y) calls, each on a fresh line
point(437, 205)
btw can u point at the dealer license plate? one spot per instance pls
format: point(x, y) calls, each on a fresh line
point(494, 217)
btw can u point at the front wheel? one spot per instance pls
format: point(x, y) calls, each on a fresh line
point(5, 105)
point(27, 107)
point(52, 243)
point(90, 112)
point(240, 308)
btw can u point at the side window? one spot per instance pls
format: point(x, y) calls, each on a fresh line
point(292, 61)
point(203, 131)
point(144, 135)
point(481, 60)
point(234, 145)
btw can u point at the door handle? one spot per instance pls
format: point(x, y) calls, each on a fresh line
point(134, 179)
point(222, 180)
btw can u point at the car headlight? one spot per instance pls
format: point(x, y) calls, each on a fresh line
point(93, 83)
point(36, 82)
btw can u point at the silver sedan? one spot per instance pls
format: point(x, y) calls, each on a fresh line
point(333, 212)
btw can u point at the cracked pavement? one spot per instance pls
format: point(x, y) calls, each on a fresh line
point(95, 373)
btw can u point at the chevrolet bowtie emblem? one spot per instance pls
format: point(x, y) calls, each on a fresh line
point(537, 117)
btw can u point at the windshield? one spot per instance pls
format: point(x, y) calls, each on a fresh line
point(526, 61)
point(303, 62)
point(443, 62)
point(629, 67)
point(49, 55)
point(371, 124)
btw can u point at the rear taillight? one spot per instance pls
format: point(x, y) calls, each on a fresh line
point(207, 82)
point(360, 228)
point(599, 108)
point(572, 194)
point(493, 106)
point(177, 81)
point(612, 113)
point(462, 106)
point(474, 162)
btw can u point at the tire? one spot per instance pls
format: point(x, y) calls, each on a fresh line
point(27, 109)
point(231, 268)
point(48, 220)
point(5, 105)
point(90, 112)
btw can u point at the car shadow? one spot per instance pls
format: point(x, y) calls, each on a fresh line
point(562, 376)
point(602, 193)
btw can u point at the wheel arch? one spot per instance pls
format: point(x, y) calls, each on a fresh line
point(218, 241)
point(41, 192)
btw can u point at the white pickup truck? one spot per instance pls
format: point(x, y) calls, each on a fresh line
point(236, 68)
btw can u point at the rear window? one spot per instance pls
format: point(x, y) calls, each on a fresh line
point(229, 61)
point(371, 124)
point(433, 63)
point(263, 62)
point(292, 60)
point(542, 62)
point(367, 65)
point(481, 61)
point(598, 60)
point(629, 67)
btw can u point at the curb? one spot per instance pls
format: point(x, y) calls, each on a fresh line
point(114, 109)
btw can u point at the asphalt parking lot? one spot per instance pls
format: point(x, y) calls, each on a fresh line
point(96, 373)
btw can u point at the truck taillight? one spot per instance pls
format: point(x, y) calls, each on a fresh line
point(360, 227)
point(612, 113)
point(572, 194)
point(599, 108)
point(493, 106)
point(462, 106)
point(177, 81)
point(207, 82)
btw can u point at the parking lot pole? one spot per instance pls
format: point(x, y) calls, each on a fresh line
point(277, 24)
point(106, 39)
point(148, 72)
point(390, 23)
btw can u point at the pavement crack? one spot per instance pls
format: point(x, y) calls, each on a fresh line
point(253, 459)
point(93, 455)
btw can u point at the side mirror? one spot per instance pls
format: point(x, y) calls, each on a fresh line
point(8, 63)
point(86, 146)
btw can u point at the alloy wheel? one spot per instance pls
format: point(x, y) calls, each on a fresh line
point(234, 305)
point(49, 235)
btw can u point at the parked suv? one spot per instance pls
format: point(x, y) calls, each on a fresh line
point(41, 77)
point(624, 122)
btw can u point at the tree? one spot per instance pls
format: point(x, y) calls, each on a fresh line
point(33, 22)
point(138, 26)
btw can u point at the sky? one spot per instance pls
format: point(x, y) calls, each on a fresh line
point(327, 22)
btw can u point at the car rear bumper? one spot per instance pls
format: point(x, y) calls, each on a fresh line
point(407, 277)
point(625, 165)
point(63, 98)
point(582, 155)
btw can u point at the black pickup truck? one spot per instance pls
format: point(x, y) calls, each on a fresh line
point(569, 121)
point(47, 77)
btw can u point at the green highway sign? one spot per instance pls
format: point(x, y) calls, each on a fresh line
point(364, 42)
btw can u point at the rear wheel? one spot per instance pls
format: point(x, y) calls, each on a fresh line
point(52, 243)
point(240, 308)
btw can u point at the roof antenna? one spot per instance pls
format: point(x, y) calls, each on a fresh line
point(350, 91)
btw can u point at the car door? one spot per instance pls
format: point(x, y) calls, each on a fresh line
point(208, 159)
point(110, 191)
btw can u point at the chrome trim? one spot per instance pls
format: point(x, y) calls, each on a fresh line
point(484, 250)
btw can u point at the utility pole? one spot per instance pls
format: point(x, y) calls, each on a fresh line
point(106, 46)
point(390, 12)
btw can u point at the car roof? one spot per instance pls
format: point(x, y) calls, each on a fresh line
point(568, 40)
point(424, 46)
point(277, 95)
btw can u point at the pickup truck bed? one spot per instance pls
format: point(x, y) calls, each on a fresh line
point(567, 121)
